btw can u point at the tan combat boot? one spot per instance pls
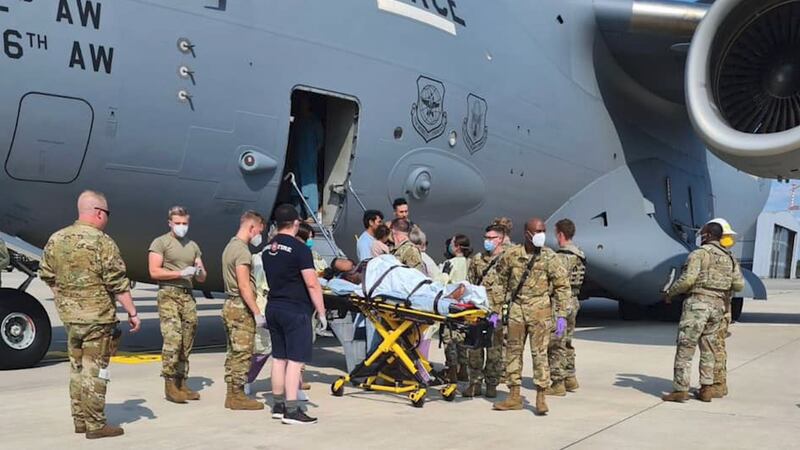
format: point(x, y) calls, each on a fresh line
point(172, 392)
point(541, 403)
point(557, 390)
point(512, 403)
point(720, 389)
point(571, 384)
point(188, 393)
point(706, 393)
point(473, 390)
point(676, 396)
point(491, 391)
point(236, 400)
point(106, 431)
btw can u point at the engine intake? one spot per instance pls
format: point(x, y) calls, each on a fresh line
point(743, 84)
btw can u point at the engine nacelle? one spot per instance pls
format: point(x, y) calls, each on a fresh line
point(743, 85)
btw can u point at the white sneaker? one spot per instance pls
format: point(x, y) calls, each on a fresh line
point(248, 388)
point(301, 396)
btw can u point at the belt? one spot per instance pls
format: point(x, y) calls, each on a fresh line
point(169, 287)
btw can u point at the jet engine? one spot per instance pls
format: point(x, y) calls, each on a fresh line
point(743, 85)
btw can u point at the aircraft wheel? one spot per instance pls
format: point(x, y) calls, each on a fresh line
point(630, 311)
point(24, 330)
point(737, 304)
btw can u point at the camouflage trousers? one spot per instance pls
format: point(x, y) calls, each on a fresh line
point(534, 321)
point(177, 312)
point(240, 327)
point(721, 353)
point(561, 353)
point(455, 354)
point(700, 323)
point(487, 363)
point(89, 347)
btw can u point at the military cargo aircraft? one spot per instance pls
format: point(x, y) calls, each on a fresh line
point(638, 119)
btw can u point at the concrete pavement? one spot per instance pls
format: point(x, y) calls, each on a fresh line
point(623, 367)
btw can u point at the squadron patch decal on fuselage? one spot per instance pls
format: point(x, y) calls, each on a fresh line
point(427, 113)
point(474, 128)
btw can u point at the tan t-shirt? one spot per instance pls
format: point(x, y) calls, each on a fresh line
point(178, 254)
point(236, 253)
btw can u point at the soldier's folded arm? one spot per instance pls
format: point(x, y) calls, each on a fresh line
point(559, 279)
point(46, 272)
point(689, 276)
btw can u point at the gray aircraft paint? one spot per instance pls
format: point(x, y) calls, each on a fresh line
point(568, 132)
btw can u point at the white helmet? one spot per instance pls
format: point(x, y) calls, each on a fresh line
point(726, 227)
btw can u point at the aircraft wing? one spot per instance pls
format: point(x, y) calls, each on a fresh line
point(734, 63)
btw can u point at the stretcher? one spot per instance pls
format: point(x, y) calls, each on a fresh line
point(397, 366)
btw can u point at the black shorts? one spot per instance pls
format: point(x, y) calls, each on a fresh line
point(291, 334)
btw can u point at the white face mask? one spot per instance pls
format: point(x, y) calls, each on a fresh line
point(255, 241)
point(538, 239)
point(180, 230)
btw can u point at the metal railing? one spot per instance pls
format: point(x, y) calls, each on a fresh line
point(358, 200)
point(328, 237)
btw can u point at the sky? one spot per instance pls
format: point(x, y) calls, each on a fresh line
point(779, 196)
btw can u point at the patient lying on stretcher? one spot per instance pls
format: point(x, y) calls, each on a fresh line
point(384, 276)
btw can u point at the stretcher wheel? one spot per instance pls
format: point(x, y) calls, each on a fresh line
point(337, 388)
point(418, 398)
point(449, 392)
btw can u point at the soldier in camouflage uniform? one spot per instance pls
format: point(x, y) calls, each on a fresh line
point(561, 353)
point(709, 274)
point(173, 261)
point(721, 354)
point(5, 260)
point(240, 313)
point(408, 254)
point(487, 364)
point(537, 286)
point(83, 267)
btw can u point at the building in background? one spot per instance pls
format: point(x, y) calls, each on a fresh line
point(776, 245)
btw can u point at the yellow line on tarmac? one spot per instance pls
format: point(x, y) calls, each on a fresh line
point(135, 358)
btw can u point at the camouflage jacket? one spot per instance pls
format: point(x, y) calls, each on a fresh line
point(709, 271)
point(84, 267)
point(547, 275)
point(491, 281)
point(573, 259)
point(409, 255)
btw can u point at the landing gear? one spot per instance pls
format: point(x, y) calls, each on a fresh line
point(24, 330)
point(737, 304)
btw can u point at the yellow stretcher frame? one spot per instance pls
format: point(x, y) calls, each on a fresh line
point(401, 334)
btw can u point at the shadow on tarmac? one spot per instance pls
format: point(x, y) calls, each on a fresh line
point(128, 411)
point(654, 386)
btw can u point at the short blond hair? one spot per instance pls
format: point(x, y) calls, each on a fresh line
point(254, 216)
point(177, 211)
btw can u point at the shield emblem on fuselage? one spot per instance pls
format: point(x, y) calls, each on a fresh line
point(427, 113)
point(474, 128)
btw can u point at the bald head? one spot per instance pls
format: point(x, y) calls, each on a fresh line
point(93, 209)
point(535, 225)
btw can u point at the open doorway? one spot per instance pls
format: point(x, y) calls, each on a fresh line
point(322, 138)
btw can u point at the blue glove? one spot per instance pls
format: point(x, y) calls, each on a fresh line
point(561, 326)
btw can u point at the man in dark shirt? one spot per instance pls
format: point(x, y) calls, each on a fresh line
point(294, 295)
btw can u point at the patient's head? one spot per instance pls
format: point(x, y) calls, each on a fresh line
point(346, 269)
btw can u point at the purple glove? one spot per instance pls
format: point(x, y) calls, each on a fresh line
point(561, 326)
point(494, 319)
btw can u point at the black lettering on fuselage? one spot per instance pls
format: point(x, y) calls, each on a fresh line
point(101, 57)
point(447, 11)
point(87, 12)
point(12, 48)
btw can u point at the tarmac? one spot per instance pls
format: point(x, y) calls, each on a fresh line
point(623, 368)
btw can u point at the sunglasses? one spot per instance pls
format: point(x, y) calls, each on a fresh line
point(108, 213)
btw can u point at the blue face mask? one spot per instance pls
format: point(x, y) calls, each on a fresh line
point(489, 245)
point(309, 243)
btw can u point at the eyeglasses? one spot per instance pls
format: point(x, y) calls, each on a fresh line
point(108, 213)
